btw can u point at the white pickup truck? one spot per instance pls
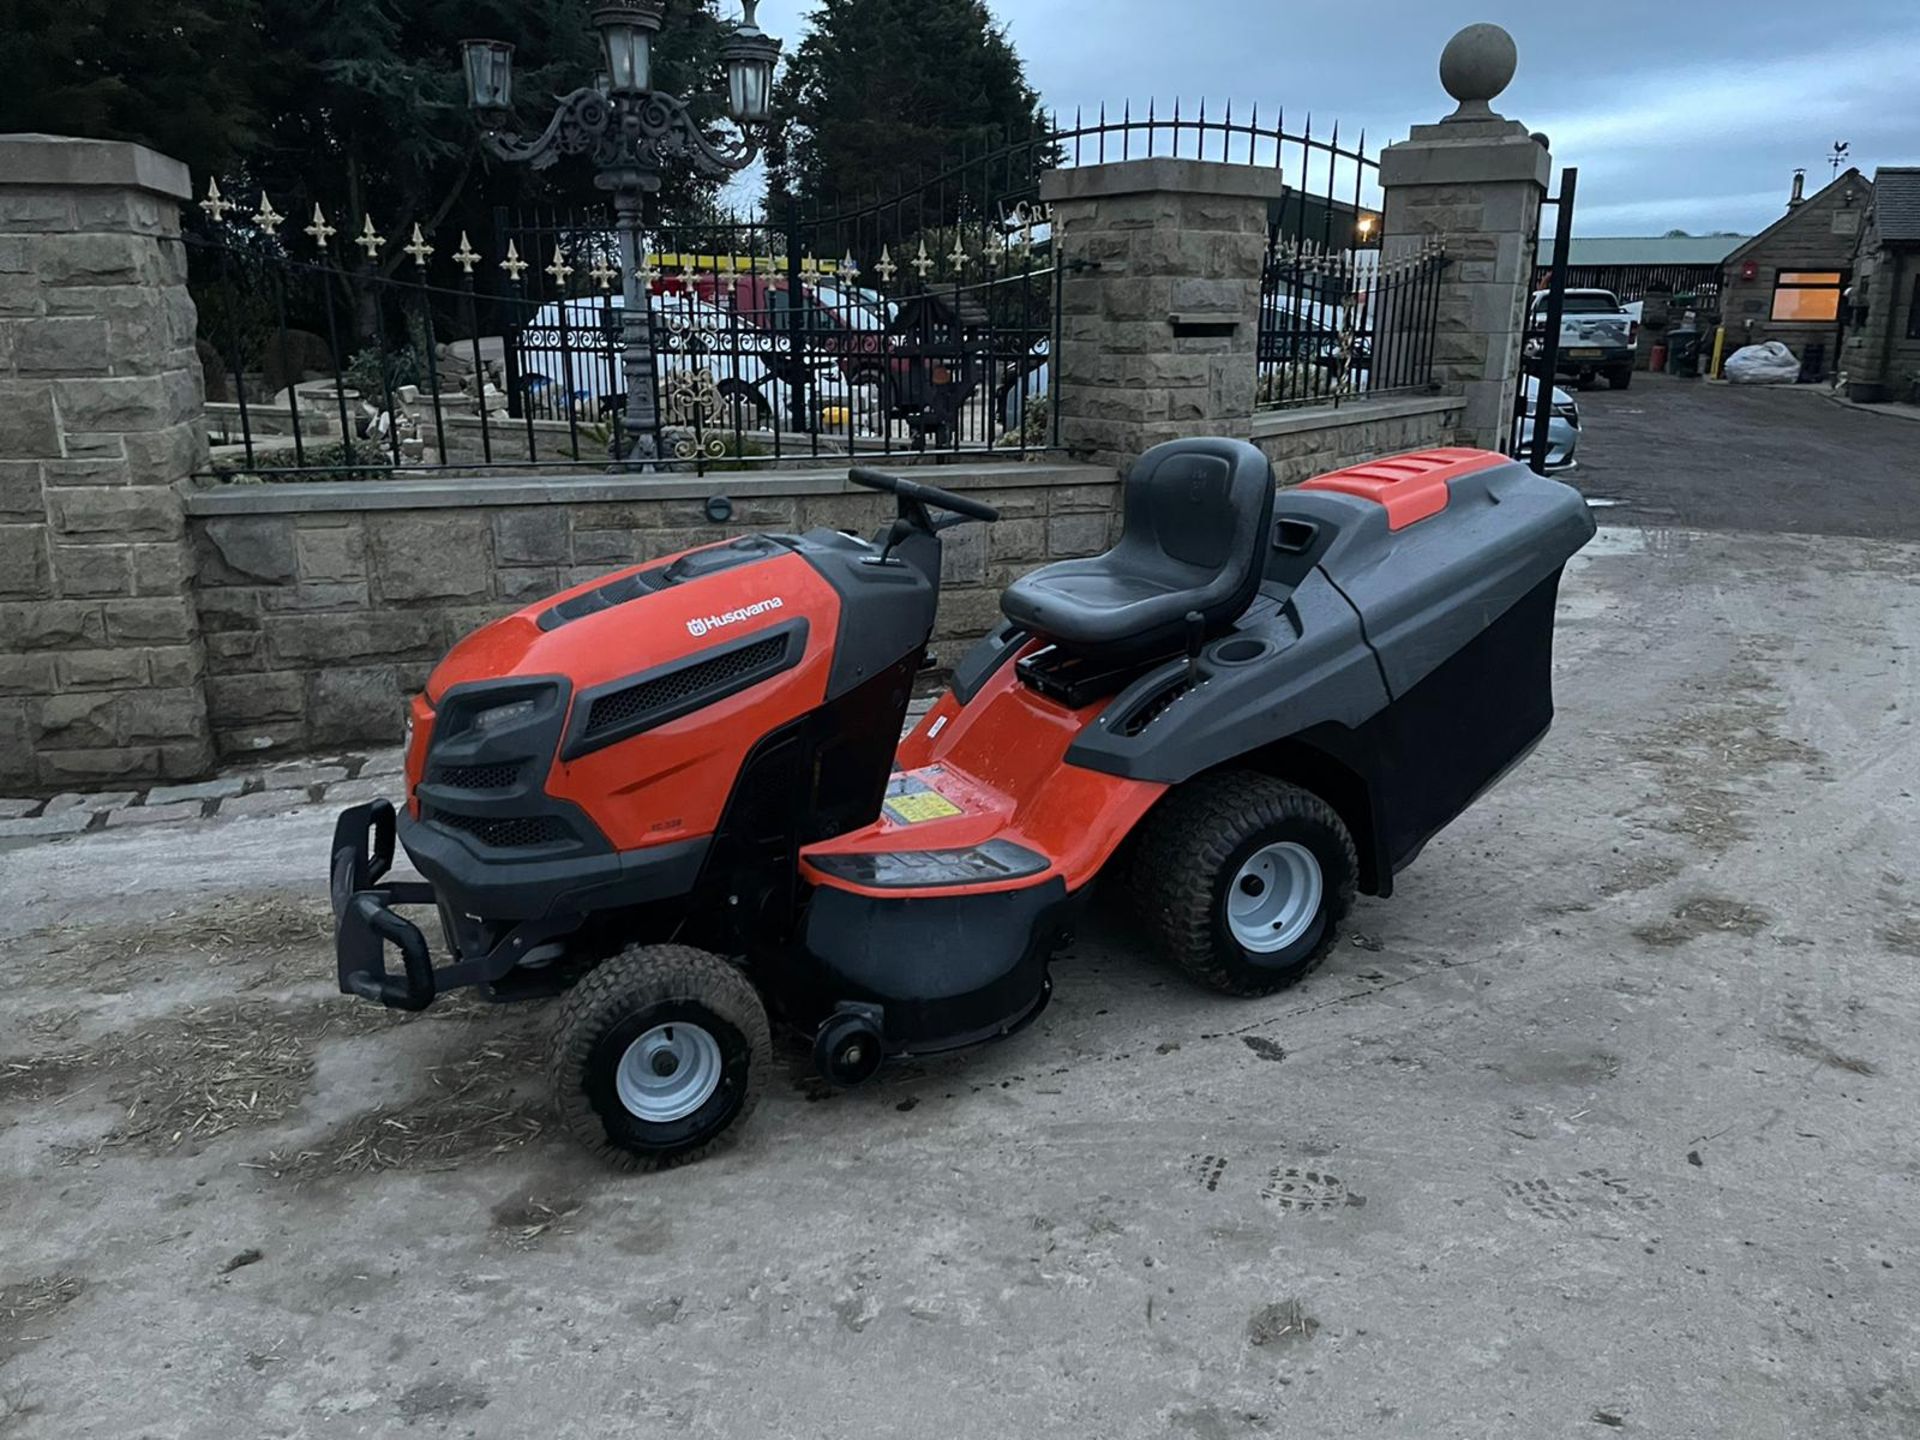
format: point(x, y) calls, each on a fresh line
point(1597, 336)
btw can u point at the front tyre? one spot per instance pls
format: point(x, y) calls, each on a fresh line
point(1244, 880)
point(657, 1054)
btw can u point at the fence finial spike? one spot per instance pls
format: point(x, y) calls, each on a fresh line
point(466, 257)
point(216, 205)
point(320, 230)
point(267, 218)
point(419, 249)
point(369, 239)
point(560, 270)
point(513, 264)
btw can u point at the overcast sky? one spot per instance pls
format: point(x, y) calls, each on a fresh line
point(1681, 114)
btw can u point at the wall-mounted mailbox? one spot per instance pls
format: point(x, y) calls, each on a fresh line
point(1202, 324)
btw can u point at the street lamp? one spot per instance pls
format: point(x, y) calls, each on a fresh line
point(632, 131)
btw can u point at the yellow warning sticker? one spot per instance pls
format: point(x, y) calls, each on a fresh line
point(921, 806)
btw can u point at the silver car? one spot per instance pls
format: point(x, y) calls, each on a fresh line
point(1563, 427)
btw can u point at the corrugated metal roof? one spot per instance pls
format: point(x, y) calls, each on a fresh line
point(1896, 202)
point(1652, 249)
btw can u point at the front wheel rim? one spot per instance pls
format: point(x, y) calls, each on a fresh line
point(1274, 897)
point(668, 1073)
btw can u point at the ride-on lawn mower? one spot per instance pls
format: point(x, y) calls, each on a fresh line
point(680, 793)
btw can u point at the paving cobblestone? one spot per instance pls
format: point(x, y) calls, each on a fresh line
point(44, 827)
point(261, 802)
point(301, 777)
point(156, 814)
point(17, 809)
point(90, 804)
point(223, 788)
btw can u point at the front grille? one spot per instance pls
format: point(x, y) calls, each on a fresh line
point(477, 777)
point(625, 707)
point(513, 832)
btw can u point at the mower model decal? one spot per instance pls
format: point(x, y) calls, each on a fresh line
point(914, 802)
point(701, 624)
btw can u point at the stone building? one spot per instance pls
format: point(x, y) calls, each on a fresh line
point(1788, 282)
point(1881, 355)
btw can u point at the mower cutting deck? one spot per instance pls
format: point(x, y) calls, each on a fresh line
point(674, 793)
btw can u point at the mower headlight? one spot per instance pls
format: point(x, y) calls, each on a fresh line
point(499, 716)
point(490, 710)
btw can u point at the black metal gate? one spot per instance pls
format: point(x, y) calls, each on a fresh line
point(1529, 436)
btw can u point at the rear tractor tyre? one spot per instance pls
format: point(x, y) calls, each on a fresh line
point(657, 1055)
point(1244, 879)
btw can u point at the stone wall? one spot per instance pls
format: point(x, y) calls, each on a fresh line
point(1306, 443)
point(325, 606)
point(100, 660)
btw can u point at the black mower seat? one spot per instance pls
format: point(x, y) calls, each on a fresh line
point(1196, 514)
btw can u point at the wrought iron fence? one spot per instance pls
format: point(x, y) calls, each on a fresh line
point(875, 329)
point(1334, 326)
point(918, 323)
point(316, 369)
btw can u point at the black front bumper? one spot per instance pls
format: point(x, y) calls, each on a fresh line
point(525, 904)
point(364, 923)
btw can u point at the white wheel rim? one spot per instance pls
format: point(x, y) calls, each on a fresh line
point(1274, 897)
point(668, 1073)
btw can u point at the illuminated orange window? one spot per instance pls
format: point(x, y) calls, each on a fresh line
point(1809, 295)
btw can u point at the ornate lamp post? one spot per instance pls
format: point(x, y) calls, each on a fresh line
point(631, 131)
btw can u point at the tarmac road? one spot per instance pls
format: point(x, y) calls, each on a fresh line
point(1749, 457)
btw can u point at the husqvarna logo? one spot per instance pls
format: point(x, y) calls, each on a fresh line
point(701, 624)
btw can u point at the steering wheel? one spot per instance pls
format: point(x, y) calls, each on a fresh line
point(911, 492)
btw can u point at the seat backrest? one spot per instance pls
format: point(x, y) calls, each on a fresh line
point(1196, 512)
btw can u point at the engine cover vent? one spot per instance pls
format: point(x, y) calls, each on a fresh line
point(615, 712)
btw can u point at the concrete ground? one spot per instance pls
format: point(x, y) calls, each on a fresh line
point(1603, 1124)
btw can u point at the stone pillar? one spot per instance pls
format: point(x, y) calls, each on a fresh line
point(100, 419)
point(1474, 181)
point(1160, 301)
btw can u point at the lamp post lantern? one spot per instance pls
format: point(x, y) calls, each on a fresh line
point(631, 131)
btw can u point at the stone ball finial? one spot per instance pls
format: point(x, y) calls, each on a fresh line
point(1477, 65)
